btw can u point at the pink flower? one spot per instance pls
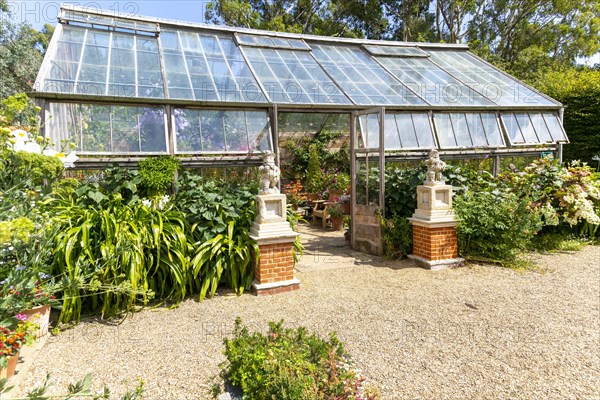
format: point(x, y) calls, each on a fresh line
point(21, 317)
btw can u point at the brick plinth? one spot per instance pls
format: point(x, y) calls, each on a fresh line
point(274, 271)
point(435, 243)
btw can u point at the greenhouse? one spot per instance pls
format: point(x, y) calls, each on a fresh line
point(122, 88)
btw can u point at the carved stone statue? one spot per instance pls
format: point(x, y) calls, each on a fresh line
point(269, 175)
point(435, 166)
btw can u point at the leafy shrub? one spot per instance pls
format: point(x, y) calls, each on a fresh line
point(567, 197)
point(157, 173)
point(291, 364)
point(494, 225)
point(114, 251)
point(397, 236)
point(314, 177)
point(35, 168)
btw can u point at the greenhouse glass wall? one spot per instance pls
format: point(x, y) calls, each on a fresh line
point(122, 88)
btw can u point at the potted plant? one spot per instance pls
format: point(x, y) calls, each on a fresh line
point(293, 192)
point(336, 214)
point(11, 341)
point(25, 294)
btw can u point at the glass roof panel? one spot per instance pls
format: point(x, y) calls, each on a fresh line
point(432, 83)
point(207, 67)
point(246, 39)
point(483, 78)
point(104, 63)
point(87, 18)
point(396, 51)
point(362, 78)
point(290, 76)
point(555, 127)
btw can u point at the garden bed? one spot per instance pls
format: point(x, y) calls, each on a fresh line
point(472, 332)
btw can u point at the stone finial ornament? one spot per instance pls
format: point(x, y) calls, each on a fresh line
point(269, 174)
point(435, 166)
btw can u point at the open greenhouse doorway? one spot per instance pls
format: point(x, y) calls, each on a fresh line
point(314, 158)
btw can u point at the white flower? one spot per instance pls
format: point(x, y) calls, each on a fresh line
point(20, 135)
point(50, 152)
point(163, 201)
point(69, 160)
point(33, 147)
point(147, 202)
point(19, 146)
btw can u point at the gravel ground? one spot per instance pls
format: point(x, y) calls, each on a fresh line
point(477, 332)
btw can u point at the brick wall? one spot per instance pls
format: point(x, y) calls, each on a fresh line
point(276, 263)
point(435, 243)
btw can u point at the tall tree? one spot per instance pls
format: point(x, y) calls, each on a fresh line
point(348, 18)
point(21, 53)
point(410, 20)
point(525, 34)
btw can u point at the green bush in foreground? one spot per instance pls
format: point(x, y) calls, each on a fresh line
point(291, 364)
point(494, 225)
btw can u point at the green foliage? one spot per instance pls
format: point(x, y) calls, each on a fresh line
point(19, 110)
point(80, 389)
point(36, 169)
point(314, 177)
point(579, 91)
point(17, 229)
point(115, 251)
point(494, 225)
point(332, 18)
point(397, 236)
point(20, 56)
point(157, 173)
point(290, 364)
point(561, 194)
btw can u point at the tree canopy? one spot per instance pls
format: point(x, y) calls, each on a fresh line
point(520, 35)
point(21, 53)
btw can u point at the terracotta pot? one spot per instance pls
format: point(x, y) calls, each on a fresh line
point(337, 223)
point(9, 371)
point(41, 316)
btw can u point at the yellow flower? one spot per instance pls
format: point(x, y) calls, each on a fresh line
point(60, 155)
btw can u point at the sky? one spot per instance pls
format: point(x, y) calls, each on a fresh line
point(40, 12)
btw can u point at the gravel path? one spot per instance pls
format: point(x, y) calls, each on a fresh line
point(477, 332)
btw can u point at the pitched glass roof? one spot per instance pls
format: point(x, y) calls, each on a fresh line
point(361, 78)
point(290, 76)
point(494, 84)
point(432, 83)
point(95, 53)
point(395, 51)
